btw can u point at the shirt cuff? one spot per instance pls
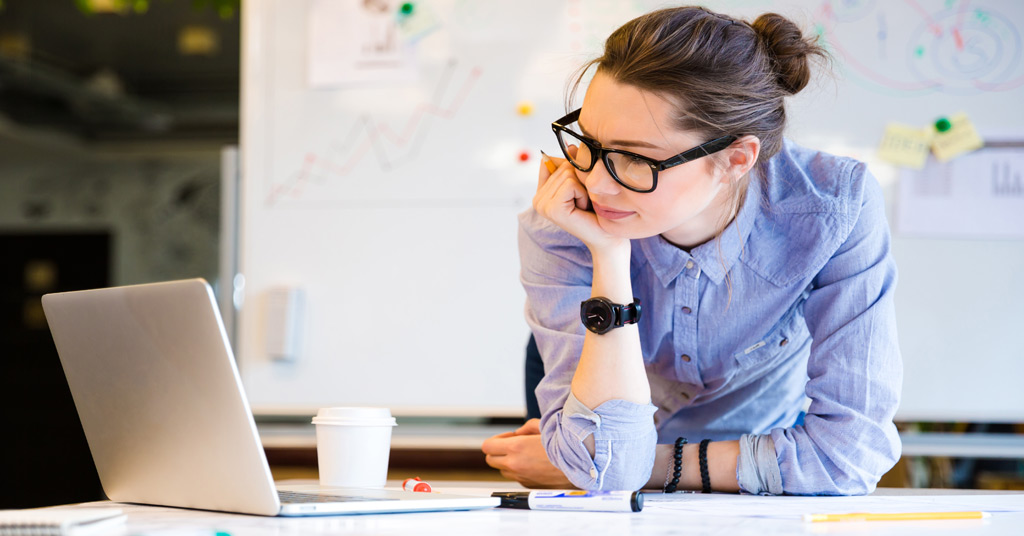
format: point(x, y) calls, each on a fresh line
point(621, 430)
point(757, 469)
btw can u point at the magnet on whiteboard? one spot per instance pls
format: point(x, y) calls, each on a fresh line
point(285, 311)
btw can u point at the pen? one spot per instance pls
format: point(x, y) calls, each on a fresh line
point(908, 516)
point(573, 500)
point(547, 162)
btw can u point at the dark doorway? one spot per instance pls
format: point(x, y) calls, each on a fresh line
point(45, 457)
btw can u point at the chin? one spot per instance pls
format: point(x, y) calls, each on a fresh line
point(624, 230)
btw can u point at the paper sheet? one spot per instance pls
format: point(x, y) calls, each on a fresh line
point(977, 195)
point(795, 507)
point(357, 42)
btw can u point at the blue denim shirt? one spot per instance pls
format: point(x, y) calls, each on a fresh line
point(794, 301)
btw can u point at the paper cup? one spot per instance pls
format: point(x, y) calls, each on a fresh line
point(353, 446)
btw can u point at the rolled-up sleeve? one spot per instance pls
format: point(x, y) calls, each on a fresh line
point(624, 441)
point(557, 274)
point(848, 439)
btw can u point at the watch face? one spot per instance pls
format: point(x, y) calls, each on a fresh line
point(597, 316)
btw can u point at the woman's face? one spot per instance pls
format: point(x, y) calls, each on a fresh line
point(691, 200)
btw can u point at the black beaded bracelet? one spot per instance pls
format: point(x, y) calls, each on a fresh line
point(677, 466)
point(702, 457)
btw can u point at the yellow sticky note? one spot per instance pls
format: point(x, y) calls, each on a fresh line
point(959, 139)
point(905, 146)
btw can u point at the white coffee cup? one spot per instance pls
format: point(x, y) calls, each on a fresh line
point(353, 446)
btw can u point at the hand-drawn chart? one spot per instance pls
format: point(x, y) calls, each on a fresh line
point(372, 138)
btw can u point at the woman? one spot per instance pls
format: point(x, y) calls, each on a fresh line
point(693, 279)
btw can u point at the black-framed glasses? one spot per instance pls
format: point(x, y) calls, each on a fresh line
point(633, 171)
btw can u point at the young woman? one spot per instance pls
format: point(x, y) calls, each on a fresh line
point(693, 279)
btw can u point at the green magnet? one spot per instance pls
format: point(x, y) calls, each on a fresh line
point(406, 8)
point(943, 125)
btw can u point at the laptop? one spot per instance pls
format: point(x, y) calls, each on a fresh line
point(162, 406)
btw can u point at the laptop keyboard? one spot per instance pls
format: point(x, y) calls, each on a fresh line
point(299, 497)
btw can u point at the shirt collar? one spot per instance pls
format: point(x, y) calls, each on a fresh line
point(715, 257)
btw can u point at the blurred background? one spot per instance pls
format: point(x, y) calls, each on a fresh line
point(113, 115)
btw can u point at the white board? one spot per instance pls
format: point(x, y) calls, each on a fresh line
point(393, 204)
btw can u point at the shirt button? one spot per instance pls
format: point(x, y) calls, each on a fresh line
point(689, 264)
point(687, 310)
point(783, 342)
point(593, 472)
point(685, 358)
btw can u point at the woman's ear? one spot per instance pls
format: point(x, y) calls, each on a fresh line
point(741, 156)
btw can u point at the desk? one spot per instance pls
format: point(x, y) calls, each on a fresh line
point(652, 520)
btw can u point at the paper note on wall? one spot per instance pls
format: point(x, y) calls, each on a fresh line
point(960, 138)
point(905, 146)
point(357, 42)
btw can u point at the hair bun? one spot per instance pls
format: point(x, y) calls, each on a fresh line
point(789, 50)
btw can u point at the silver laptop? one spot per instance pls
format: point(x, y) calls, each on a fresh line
point(161, 402)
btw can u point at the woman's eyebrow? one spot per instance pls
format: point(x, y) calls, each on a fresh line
point(619, 143)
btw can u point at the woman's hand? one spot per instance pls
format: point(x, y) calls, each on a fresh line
point(562, 198)
point(520, 456)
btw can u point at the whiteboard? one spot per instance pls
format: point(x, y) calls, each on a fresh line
point(393, 203)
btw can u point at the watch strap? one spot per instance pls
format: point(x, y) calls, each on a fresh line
point(627, 314)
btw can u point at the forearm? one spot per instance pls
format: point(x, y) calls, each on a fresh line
point(611, 365)
point(722, 456)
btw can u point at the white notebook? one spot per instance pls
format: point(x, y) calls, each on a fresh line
point(60, 521)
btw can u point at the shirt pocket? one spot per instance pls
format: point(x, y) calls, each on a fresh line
point(788, 334)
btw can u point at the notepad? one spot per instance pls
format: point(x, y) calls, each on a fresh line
point(59, 521)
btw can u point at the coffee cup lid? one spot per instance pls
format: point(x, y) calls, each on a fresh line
point(355, 417)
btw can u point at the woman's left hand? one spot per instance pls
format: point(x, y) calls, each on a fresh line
point(520, 456)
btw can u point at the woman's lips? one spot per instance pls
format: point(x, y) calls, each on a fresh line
point(609, 213)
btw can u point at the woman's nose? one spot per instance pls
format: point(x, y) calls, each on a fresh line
point(599, 180)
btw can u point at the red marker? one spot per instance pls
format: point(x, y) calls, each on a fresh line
point(415, 484)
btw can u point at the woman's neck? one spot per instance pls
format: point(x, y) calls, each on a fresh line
point(709, 223)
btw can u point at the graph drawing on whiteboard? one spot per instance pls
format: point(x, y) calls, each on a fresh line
point(374, 138)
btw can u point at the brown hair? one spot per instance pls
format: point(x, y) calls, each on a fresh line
point(725, 76)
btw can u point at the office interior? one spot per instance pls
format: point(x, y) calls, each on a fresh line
point(114, 115)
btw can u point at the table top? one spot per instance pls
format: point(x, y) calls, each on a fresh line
point(696, 513)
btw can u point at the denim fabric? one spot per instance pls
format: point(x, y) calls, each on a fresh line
point(793, 301)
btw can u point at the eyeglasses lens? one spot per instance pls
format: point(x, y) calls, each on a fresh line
point(631, 172)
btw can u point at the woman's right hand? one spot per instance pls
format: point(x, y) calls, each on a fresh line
point(562, 198)
point(520, 456)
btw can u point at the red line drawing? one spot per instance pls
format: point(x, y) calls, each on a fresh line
point(377, 136)
point(935, 28)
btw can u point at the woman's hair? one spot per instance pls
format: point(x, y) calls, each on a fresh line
point(723, 75)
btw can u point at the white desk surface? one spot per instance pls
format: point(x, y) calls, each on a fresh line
point(677, 516)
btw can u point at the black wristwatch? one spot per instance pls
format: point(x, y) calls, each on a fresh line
point(600, 315)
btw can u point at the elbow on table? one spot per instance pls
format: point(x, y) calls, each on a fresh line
point(816, 461)
point(863, 478)
point(607, 468)
point(610, 481)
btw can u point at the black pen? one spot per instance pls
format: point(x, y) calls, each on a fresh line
point(573, 500)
